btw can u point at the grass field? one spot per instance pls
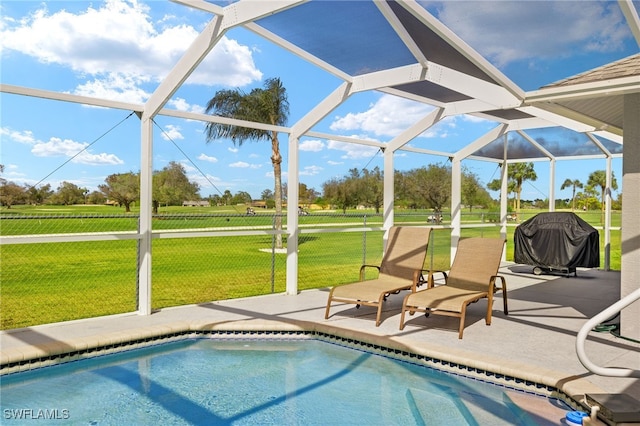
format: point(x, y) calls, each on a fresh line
point(50, 282)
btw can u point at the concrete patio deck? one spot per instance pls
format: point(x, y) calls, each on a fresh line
point(536, 341)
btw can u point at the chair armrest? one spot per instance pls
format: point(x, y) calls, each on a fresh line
point(429, 280)
point(363, 269)
point(503, 285)
point(418, 278)
point(503, 288)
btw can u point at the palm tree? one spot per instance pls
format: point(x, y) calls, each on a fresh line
point(599, 179)
point(518, 173)
point(269, 106)
point(496, 185)
point(574, 184)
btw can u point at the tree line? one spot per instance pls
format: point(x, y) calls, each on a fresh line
point(427, 187)
point(421, 188)
point(171, 186)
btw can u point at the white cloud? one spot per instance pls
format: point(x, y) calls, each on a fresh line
point(311, 146)
point(205, 157)
point(388, 117)
point(535, 29)
point(270, 174)
point(208, 181)
point(234, 150)
point(116, 87)
point(474, 119)
point(229, 64)
point(334, 163)
point(244, 165)
point(97, 159)
point(118, 47)
point(182, 105)
point(188, 167)
point(311, 170)
point(352, 150)
point(25, 136)
point(68, 148)
point(171, 132)
point(11, 172)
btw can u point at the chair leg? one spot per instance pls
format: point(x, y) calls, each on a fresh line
point(489, 312)
point(404, 310)
point(462, 318)
point(378, 314)
point(504, 299)
point(326, 313)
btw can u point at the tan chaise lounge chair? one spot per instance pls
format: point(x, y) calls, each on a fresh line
point(472, 277)
point(401, 269)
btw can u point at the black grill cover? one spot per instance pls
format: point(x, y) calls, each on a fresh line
point(557, 240)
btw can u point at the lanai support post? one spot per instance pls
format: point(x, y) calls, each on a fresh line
point(145, 221)
point(293, 194)
point(388, 197)
point(456, 205)
point(630, 274)
point(552, 185)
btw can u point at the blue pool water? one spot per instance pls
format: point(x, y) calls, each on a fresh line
point(253, 382)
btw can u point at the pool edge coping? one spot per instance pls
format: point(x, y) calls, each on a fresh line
point(503, 372)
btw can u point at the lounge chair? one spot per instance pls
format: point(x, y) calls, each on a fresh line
point(401, 269)
point(472, 277)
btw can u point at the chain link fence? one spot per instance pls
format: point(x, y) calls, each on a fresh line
point(64, 267)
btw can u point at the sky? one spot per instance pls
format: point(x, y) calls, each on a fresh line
point(122, 49)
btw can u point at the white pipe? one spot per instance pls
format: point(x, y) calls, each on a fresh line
point(598, 319)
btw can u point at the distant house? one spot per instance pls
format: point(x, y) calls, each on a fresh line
point(203, 203)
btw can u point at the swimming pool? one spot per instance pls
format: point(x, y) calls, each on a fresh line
point(260, 381)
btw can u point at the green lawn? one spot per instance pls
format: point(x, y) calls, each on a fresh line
point(50, 282)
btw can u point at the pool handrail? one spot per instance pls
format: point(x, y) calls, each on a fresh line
point(598, 319)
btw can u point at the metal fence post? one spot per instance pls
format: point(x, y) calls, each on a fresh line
point(364, 241)
point(273, 255)
point(431, 246)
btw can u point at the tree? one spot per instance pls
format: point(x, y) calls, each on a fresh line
point(96, 197)
point(588, 197)
point(400, 189)
point(269, 106)
point(171, 186)
point(518, 173)
point(574, 184)
point(241, 197)
point(598, 179)
point(39, 195)
point(428, 187)
point(307, 195)
point(11, 193)
point(471, 192)
point(68, 193)
point(215, 200)
point(226, 197)
point(340, 192)
point(123, 188)
point(372, 188)
point(496, 185)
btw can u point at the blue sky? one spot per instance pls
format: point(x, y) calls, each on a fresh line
point(122, 49)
